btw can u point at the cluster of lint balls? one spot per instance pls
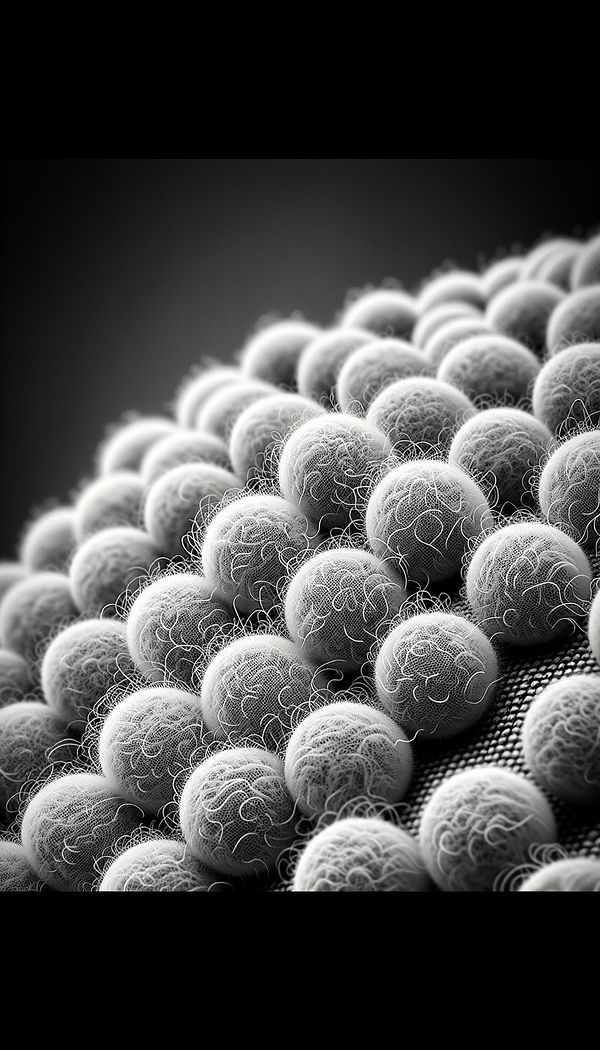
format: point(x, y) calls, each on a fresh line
point(217, 659)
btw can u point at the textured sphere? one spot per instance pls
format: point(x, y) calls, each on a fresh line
point(273, 353)
point(373, 367)
point(15, 677)
point(49, 541)
point(431, 320)
point(16, 873)
point(11, 572)
point(361, 855)
point(220, 411)
point(184, 499)
point(522, 312)
point(252, 547)
point(500, 274)
point(108, 563)
point(339, 605)
point(560, 738)
point(421, 517)
point(586, 268)
point(322, 359)
point(235, 811)
point(198, 387)
point(569, 489)
point(501, 449)
point(539, 258)
point(185, 446)
point(256, 689)
point(490, 367)
point(33, 611)
point(114, 500)
point(125, 448)
point(159, 866)
point(528, 583)
point(594, 627)
point(28, 733)
point(450, 334)
point(346, 751)
point(329, 466)
point(479, 824)
point(558, 267)
point(420, 416)
point(456, 285)
point(259, 434)
point(575, 320)
point(174, 626)
point(566, 392)
point(70, 827)
point(388, 312)
point(572, 875)
point(436, 675)
point(81, 664)
point(149, 744)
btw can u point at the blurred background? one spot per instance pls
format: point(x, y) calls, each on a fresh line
point(118, 275)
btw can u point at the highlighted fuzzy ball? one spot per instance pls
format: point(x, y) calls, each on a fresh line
point(186, 446)
point(500, 274)
point(566, 393)
point(11, 572)
point(259, 434)
point(49, 541)
point(450, 335)
point(528, 583)
point(257, 688)
point(236, 814)
point(433, 319)
point(126, 446)
point(456, 285)
point(108, 502)
point(220, 411)
point(420, 416)
point(273, 353)
point(388, 312)
point(182, 500)
point(586, 269)
point(594, 627)
point(371, 368)
point(575, 320)
point(522, 312)
point(16, 873)
point(490, 367)
point(149, 744)
point(540, 257)
point(361, 855)
point(174, 626)
point(339, 605)
point(343, 752)
point(572, 875)
point(33, 611)
point(560, 737)
point(107, 564)
point(329, 467)
point(15, 677)
point(197, 388)
point(29, 732)
point(159, 866)
point(81, 664)
point(421, 517)
point(569, 489)
point(502, 449)
point(479, 824)
point(70, 827)
point(436, 675)
point(252, 547)
point(558, 267)
point(322, 360)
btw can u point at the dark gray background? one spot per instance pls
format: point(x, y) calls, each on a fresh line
point(117, 275)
